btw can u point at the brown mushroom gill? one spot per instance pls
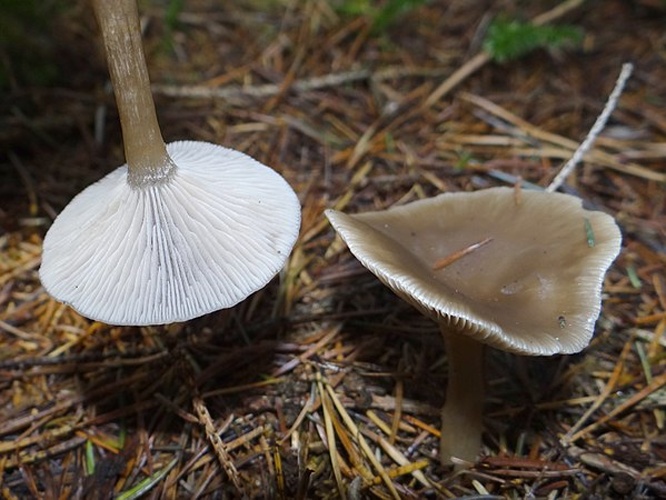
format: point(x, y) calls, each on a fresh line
point(532, 287)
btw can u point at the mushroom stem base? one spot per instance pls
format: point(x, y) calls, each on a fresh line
point(462, 414)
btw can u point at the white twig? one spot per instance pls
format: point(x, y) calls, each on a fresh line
point(596, 129)
point(305, 85)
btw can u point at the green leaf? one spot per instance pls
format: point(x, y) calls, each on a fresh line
point(147, 484)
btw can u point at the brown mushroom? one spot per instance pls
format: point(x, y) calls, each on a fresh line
point(520, 274)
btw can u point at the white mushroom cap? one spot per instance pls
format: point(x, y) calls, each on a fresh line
point(217, 230)
point(535, 288)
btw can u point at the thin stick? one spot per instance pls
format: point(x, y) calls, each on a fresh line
point(361, 441)
point(231, 92)
point(467, 69)
point(528, 130)
point(213, 437)
point(397, 414)
point(596, 129)
point(212, 434)
point(330, 437)
point(603, 396)
point(656, 384)
point(518, 191)
point(397, 456)
point(450, 259)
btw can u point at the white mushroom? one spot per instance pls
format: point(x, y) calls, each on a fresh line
point(522, 277)
point(180, 230)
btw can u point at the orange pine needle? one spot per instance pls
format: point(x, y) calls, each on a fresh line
point(450, 259)
point(518, 191)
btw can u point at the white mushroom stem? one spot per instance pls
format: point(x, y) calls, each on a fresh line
point(145, 151)
point(462, 414)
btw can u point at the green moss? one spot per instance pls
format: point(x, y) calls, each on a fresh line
point(382, 14)
point(511, 39)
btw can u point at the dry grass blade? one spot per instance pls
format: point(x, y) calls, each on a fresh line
point(219, 448)
point(311, 351)
point(399, 458)
point(19, 270)
point(413, 468)
point(305, 85)
point(572, 434)
point(656, 384)
point(602, 462)
point(307, 408)
point(323, 384)
point(347, 443)
point(397, 414)
point(526, 129)
point(212, 433)
point(331, 441)
point(341, 202)
point(349, 422)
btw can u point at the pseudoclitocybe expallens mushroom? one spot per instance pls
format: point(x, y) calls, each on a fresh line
point(181, 229)
point(521, 274)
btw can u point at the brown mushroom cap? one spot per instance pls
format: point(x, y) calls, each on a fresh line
point(535, 288)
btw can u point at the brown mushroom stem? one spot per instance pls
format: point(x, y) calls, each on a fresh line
point(462, 414)
point(145, 152)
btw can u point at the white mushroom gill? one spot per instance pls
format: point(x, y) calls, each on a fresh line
point(217, 232)
point(179, 230)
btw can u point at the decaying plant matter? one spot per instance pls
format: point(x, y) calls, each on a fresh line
point(324, 384)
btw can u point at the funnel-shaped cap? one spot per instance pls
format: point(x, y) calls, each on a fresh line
point(531, 283)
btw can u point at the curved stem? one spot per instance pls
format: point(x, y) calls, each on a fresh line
point(145, 151)
point(462, 414)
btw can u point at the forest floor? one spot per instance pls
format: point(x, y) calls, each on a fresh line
point(324, 384)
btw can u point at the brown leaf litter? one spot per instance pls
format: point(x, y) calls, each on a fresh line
point(324, 385)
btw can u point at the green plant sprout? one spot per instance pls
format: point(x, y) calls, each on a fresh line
point(171, 13)
point(464, 159)
point(589, 233)
point(507, 40)
point(383, 16)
